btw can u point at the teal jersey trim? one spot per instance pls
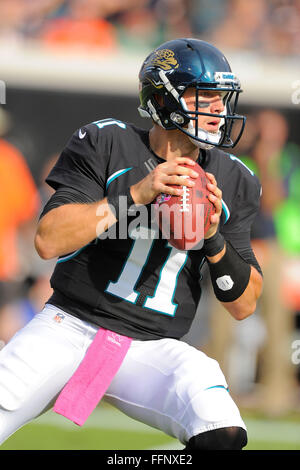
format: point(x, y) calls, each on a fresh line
point(116, 175)
point(71, 255)
point(218, 386)
point(226, 211)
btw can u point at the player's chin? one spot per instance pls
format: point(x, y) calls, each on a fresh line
point(212, 128)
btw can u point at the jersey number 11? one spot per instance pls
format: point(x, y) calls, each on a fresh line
point(162, 299)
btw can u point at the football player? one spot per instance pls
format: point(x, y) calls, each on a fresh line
point(139, 286)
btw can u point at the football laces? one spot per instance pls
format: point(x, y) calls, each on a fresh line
point(184, 200)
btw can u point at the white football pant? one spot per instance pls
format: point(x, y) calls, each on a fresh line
point(164, 383)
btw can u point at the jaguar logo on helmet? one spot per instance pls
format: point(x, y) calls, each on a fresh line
point(163, 58)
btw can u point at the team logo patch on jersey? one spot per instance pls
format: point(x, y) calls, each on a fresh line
point(164, 58)
point(59, 317)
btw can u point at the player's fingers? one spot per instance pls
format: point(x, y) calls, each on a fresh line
point(174, 169)
point(178, 161)
point(211, 178)
point(179, 180)
point(214, 219)
point(215, 190)
point(187, 160)
point(173, 191)
point(213, 186)
point(217, 202)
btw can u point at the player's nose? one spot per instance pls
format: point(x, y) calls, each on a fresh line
point(217, 106)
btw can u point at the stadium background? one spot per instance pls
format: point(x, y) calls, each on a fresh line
point(67, 63)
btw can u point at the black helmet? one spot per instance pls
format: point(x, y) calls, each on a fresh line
point(177, 65)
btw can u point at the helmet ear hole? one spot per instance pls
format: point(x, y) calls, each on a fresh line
point(159, 99)
point(170, 103)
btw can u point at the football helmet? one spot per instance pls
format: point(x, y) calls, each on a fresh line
point(177, 65)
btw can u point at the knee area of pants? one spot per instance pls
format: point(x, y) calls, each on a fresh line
point(229, 438)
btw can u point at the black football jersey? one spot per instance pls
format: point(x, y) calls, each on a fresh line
point(138, 284)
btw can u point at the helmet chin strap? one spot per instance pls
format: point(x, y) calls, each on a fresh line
point(211, 139)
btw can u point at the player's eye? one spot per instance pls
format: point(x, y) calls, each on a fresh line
point(203, 104)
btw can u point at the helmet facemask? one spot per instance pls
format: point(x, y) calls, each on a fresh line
point(174, 113)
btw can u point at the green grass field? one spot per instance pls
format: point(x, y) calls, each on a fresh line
point(108, 429)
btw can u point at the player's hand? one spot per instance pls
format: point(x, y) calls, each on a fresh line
point(159, 180)
point(215, 197)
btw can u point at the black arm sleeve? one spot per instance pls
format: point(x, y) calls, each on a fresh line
point(241, 243)
point(244, 205)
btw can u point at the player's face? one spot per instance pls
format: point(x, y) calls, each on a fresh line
point(208, 102)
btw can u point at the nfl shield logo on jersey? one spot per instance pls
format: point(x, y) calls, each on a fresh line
point(59, 317)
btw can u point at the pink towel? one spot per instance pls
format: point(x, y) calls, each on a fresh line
point(91, 379)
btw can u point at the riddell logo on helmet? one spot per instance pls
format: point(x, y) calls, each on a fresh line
point(164, 58)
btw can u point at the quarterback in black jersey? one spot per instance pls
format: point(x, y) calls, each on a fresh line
point(115, 273)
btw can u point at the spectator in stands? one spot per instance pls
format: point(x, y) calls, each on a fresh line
point(83, 25)
point(21, 19)
point(281, 32)
point(12, 16)
point(205, 16)
point(147, 23)
point(259, 25)
point(276, 369)
point(242, 26)
point(269, 332)
point(23, 295)
point(19, 204)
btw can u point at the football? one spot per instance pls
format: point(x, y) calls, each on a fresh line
point(184, 220)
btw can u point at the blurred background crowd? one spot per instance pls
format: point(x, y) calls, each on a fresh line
point(256, 354)
point(273, 27)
